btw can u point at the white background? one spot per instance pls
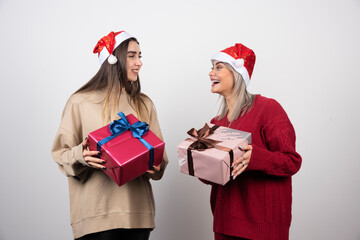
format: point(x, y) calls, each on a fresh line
point(307, 59)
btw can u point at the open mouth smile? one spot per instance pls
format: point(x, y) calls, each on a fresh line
point(214, 82)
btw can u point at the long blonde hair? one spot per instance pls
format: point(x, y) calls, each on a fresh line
point(244, 99)
point(113, 78)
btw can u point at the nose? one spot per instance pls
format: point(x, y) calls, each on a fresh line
point(138, 62)
point(212, 73)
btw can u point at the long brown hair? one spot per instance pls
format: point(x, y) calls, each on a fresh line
point(114, 79)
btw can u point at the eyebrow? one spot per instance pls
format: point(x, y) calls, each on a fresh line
point(133, 52)
point(218, 63)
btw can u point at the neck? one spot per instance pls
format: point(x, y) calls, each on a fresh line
point(230, 102)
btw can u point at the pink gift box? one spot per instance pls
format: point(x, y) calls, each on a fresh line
point(213, 164)
point(125, 156)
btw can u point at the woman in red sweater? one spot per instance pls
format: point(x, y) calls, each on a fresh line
point(256, 203)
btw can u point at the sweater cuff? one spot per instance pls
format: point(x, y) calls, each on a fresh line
point(78, 155)
point(257, 161)
point(158, 175)
point(79, 166)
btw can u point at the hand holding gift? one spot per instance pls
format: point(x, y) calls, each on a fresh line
point(240, 164)
point(154, 169)
point(90, 157)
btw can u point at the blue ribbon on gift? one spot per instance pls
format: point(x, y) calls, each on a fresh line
point(138, 129)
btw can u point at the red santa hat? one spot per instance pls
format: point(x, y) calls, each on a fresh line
point(241, 58)
point(107, 44)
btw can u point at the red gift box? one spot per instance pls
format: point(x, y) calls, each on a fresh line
point(126, 157)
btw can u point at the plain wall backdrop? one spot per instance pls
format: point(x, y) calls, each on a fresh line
point(307, 59)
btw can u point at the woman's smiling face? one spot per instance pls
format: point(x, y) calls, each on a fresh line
point(133, 61)
point(222, 79)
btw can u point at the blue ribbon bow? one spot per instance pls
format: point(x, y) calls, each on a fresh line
point(138, 129)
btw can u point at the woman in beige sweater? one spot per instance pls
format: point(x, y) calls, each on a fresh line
point(100, 209)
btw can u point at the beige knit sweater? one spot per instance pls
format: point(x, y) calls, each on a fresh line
point(96, 202)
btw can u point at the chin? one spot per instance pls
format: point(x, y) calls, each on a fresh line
point(214, 90)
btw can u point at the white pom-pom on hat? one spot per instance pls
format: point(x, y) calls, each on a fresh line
point(112, 59)
point(239, 62)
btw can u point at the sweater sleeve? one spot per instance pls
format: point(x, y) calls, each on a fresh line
point(277, 155)
point(155, 128)
point(67, 148)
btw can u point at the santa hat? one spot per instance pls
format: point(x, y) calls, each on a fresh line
point(107, 44)
point(241, 58)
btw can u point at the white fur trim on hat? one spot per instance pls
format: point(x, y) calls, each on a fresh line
point(104, 54)
point(237, 64)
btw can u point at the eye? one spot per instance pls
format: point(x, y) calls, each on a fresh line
point(218, 67)
point(140, 56)
point(131, 56)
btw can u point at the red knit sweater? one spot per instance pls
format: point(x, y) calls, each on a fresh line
point(257, 204)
